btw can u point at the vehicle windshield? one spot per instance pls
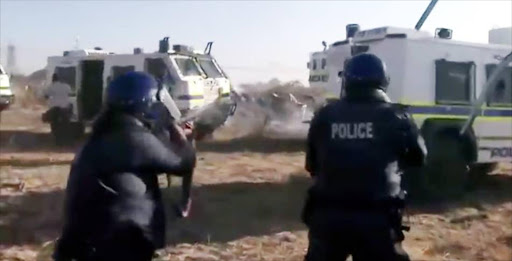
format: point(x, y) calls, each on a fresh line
point(187, 66)
point(210, 68)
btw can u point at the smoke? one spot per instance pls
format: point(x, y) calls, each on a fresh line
point(273, 109)
point(28, 90)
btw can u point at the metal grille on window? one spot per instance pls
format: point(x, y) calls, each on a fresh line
point(158, 68)
point(120, 70)
point(502, 94)
point(455, 82)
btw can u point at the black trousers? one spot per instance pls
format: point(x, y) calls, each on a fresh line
point(334, 235)
point(122, 243)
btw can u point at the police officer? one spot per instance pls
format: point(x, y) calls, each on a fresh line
point(113, 208)
point(356, 150)
point(58, 95)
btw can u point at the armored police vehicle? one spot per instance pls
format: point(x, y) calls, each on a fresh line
point(216, 81)
point(194, 80)
point(318, 71)
point(437, 80)
point(6, 95)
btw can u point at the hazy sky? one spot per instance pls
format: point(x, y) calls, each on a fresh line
point(254, 40)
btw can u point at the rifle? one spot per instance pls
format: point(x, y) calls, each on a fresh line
point(396, 215)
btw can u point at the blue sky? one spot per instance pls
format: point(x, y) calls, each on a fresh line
point(254, 40)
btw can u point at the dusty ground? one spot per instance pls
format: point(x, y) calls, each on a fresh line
point(247, 199)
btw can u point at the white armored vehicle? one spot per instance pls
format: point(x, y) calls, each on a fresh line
point(194, 80)
point(437, 80)
point(6, 95)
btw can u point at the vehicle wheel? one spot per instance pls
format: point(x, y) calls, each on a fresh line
point(447, 168)
point(478, 172)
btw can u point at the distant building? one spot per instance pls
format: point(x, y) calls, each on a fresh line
point(11, 59)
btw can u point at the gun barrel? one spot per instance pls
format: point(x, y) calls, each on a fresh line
point(425, 14)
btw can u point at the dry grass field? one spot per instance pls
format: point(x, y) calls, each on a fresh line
point(247, 196)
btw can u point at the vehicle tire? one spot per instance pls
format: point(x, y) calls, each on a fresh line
point(447, 168)
point(478, 172)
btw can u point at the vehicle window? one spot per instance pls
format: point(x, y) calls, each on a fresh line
point(158, 68)
point(155, 67)
point(314, 64)
point(455, 82)
point(187, 66)
point(2, 70)
point(67, 75)
point(120, 70)
point(315, 78)
point(324, 63)
point(358, 49)
point(210, 68)
point(502, 95)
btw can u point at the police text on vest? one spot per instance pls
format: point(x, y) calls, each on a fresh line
point(357, 130)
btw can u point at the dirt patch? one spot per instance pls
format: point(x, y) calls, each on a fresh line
point(258, 196)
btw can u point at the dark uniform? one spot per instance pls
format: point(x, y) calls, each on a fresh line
point(113, 208)
point(357, 148)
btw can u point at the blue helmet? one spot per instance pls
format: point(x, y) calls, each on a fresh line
point(366, 70)
point(133, 93)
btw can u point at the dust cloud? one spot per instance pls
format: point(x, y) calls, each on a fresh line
point(272, 110)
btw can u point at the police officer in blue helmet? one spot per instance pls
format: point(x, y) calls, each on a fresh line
point(357, 148)
point(113, 206)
